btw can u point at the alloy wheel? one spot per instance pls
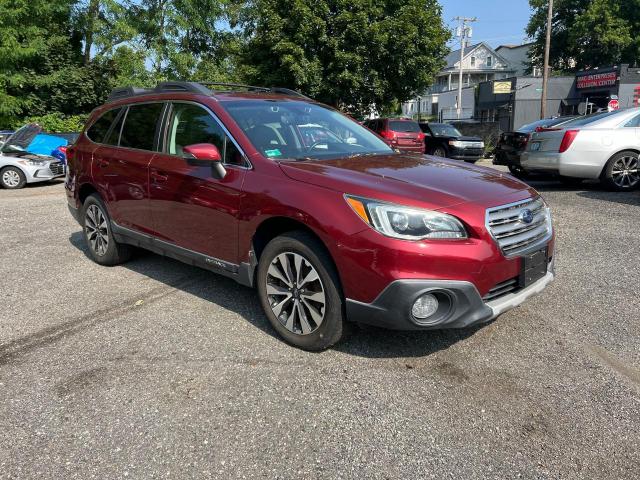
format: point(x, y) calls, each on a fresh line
point(96, 230)
point(295, 293)
point(625, 172)
point(11, 178)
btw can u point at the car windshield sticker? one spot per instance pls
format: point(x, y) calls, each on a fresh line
point(273, 153)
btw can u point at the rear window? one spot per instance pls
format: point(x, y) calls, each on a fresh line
point(98, 131)
point(140, 126)
point(587, 119)
point(404, 126)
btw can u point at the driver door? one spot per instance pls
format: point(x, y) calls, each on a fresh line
point(190, 208)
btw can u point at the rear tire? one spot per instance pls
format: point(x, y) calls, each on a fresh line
point(98, 235)
point(300, 292)
point(12, 178)
point(621, 173)
point(439, 152)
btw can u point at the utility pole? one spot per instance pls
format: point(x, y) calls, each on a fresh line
point(545, 73)
point(464, 31)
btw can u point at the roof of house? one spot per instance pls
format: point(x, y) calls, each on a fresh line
point(454, 56)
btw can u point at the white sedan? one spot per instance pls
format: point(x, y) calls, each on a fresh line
point(18, 167)
point(602, 146)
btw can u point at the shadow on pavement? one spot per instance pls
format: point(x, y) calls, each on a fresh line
point(367, 342)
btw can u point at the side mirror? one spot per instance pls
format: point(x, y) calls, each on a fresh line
point(205, 154)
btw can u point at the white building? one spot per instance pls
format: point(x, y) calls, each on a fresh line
point(480, 64)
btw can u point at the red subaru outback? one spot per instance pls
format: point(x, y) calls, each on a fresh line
point(331, 225)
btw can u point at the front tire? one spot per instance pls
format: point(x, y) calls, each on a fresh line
point(622, 172)
point(12, 178)
point(300, 292)
point(96, 225)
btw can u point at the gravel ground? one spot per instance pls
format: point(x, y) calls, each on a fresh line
point(156, 369)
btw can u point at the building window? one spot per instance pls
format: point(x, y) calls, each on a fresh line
point(473, 61)
point(489, 61)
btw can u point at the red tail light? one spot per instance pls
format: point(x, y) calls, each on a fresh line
point(567, 140)
point(389, 135)
point(421, 136)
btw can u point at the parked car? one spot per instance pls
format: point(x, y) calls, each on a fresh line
point(511, 144)
point(602, 146)
point(19, 167)
point(339, 230)
point(444, 140)
point(403, 134)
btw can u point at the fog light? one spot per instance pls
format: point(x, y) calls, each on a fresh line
point(425, 306)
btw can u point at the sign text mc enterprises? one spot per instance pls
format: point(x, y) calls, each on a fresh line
point(597, 80)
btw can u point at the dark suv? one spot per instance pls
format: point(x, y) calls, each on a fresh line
point(331, 224)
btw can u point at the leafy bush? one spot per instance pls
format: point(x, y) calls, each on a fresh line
point(55, 122)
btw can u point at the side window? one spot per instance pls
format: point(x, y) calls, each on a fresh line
point(489, 61)
point(113, 137)
point(140, 126)
point(190, 124)
point(634, 122)
point(98, 131)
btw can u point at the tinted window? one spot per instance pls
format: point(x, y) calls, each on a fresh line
point(404, 126)
point(302, 130)
point(140, 126)
point(191, 124)
point(587, 119)
point(113, 137)
point(444, 130)
point(100, 128)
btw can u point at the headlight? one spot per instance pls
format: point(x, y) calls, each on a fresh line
point(457, 143)
point(481, 144)
point(406, 223)
point(35, 163)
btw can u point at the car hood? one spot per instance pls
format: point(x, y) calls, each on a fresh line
point(425, 181)
point(468, 139)
point(22, 137)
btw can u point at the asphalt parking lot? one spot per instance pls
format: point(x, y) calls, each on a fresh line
point(156, 369)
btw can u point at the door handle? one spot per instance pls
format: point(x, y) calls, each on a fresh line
point(159, 177)
point(103, 163)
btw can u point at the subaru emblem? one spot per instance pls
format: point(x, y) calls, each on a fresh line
point(526, 216)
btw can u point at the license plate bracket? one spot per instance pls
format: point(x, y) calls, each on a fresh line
point(533, 267)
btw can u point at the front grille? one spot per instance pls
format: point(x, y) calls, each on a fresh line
point(501, 289)
point(513, 234)
point(56, 168)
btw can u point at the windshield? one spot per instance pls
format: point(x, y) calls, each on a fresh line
point(302, 130)
point(404, 126)
point(444, 130)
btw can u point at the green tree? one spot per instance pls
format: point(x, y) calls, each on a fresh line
point(355, 54)
point(586, 33)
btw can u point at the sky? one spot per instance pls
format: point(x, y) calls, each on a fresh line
point(499, 21)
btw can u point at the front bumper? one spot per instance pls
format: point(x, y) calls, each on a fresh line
point(43, 173)
point(467, 154)
point(391, 309)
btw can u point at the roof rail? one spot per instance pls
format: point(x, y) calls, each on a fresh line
point(191, 87)
point(235, 85)
point(195, 87)
point(124, 92)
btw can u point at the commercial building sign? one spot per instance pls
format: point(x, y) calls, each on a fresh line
point(607, 79)
point(501, 87)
